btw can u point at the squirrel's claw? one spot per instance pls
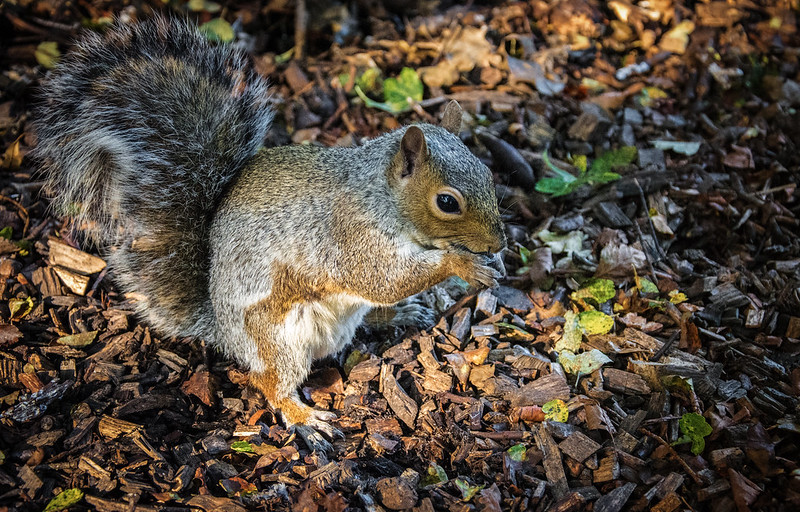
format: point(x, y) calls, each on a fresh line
point(486, 273)
point(314, 440)
point(314, 426)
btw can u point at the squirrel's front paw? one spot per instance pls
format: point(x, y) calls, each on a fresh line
point(483, 271)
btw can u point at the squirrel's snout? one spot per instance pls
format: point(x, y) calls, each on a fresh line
point(499, 243)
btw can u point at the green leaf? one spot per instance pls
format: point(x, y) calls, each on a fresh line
point(398, 93)
point(25, 246)
point(564, 175)
point(694, 428)
point(572, 337)
point(645, 285)
point(553, 186)
point(518, 453)
point(355, 357)
point(6, 232)
point(580, 162)
point(677, 383)
point(370, 80)
point(64, 500)
point(217, 30)
point(434, 475)
point(80, 340)
point(404, 90)
point(242, 447)
point(600, 178)
point(556, 410)
point(583, 363)
point(375, 104)
point(285, 56)
point(595, 322)
point(468, 491)
point(612, 159)
point(47, 54)
point(599, 290)
point(677, 297)
point(524, 254)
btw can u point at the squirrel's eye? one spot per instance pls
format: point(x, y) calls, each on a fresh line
point(447, 203)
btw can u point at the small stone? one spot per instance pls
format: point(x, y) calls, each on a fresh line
point(512, 298)
point(652, 158)
point(632, 116)
point(215, 444)
point(791, 93)
point(627, 137)
point(567, 223)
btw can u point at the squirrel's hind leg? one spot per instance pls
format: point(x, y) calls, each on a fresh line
point(307, 421)
point(284, 355)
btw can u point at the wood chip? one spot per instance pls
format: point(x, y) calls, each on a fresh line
point(553, 467)
point(461, 324)
point(615, 500)
point(540, 391)
point(608, 469)
point(68, 257)
point(111, 428)
point(579, 446)
point(625, 382)
point(402, 404)
point(77, 283)
point(486, 303)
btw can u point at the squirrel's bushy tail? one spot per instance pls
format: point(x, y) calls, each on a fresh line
point(139, 130)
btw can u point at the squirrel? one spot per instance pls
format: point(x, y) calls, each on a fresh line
point(274, 256)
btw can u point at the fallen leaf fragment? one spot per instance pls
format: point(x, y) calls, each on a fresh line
point(64, 500)
point(683, 148)
point(80, 340)
point(583, 363)
point(556, 410)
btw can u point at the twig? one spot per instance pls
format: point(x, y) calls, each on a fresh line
point(23, 213)
point(300, 26)
point(508, 435)
point(646, 252)
point(656, 245)
point(697, 479)
point(665, 347)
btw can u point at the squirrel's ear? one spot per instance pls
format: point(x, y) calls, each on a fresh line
point(451, 121)
point(414, 149)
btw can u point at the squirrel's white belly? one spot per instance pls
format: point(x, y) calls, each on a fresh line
point(325, 326)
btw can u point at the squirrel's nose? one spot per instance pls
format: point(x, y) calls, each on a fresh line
point(499, 243)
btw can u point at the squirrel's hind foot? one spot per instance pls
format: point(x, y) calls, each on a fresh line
point(415, 313)
point(309, 423)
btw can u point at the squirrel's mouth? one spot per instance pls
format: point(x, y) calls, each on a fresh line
point(464, 248)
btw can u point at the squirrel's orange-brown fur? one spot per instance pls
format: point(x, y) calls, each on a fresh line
point(273, 255)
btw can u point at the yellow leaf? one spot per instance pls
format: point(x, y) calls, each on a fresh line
point(47, 54)
point(19, 308)
point(595, 322)
point(677, 297)
point(12, 158)
point(556, 410)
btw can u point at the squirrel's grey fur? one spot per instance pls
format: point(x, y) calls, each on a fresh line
point(142, 128)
